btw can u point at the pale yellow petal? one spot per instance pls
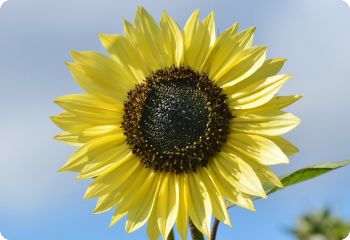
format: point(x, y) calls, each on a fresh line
point(199, 209)
point(173, 40)
point(190, 27)
point(287, 147)
point(133, 195)
point(182, 217)
point(209, 22)
point(117, 215)
point(265, 174)
point(152, 227)
point(257, 93)
point(148, 40)
point(87, 102)
point(94, 87)
point(113, 178)
point(108, 159)
point(143, 204)
point(86, 118)
point(243, 200)
point(102, 130)
point(270, 123)
point(196, 40)
point(122, 51)
point(139, 41)
point(244, 176)
point(228, 190)
point(257, 148)
point(227, 45)
point(71, 123)
point(269, 68)
point(90, 151)
point(168, 204)
point(81, 136)
point(105, 203)
point(88, 111)
point(70, 139)
point(276, 103)
point(130, 181)
point(104, 70)
point(240, 66)
point(217, 200)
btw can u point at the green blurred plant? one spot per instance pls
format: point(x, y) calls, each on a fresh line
point(321, 225)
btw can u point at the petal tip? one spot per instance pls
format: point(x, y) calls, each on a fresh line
point(75, 54)
point(63, 169)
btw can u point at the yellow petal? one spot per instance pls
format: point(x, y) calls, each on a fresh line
point(228, 190)
point(265, 174)
point(122, 51)
point(190, 26)
point(245, 178)
point(87, 102)
point(240, 67)
point(287, 147)
point(84, 135)
point(139, 42)
point(168, 204)
point(113, 178)
point(258, 93)
point(130, 181)
point(105, 161)
point(257, 148)
point(149, 39)
point(269, 68)
point(103, 70)
point(133, 195)
point(152, 227)
point(93, 86)
point(70, 139)
point(196, 40)
point(217, 200)
point(90, 151)
point(117, 215)
point(91, 117)
point(182, 217)
point(244, 201)
point(173, 40)
point(105, 203)
point(102, 130)
point(209, 22)
point(270, 123)
point(276, 103)
point(199, 209)
point(227, 45)
point(71, 123)
point(143, 204)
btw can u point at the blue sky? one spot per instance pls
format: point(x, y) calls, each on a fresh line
point(36, 202)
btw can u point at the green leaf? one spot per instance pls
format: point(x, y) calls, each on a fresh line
point(302, 175)
point(308, 173)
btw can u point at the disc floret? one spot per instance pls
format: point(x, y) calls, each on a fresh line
point(176, 120)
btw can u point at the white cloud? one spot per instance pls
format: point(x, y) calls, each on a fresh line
point(2, 237)
point(2, 3)
point(347, 2)
point(347, 238)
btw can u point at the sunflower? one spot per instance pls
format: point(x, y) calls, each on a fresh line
point(174, 123)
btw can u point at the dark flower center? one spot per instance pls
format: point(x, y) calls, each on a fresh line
point(174, 115)
point(177, 120)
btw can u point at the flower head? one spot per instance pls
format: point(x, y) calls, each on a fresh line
point(173, 123)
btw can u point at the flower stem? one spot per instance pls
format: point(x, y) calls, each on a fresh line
point(171, 235)
point(215, 229)
point(195, 233)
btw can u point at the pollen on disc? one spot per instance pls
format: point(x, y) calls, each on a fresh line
point(176, 120)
